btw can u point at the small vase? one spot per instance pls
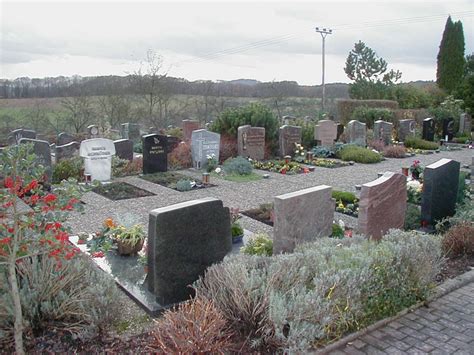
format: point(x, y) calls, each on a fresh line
point(127, 248)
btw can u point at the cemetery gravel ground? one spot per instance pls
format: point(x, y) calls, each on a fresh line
point(242, 195)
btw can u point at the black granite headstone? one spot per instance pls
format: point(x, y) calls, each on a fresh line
point(440, 188)
point(448, 128)
point(124, 149)
point(17, 134)
point(428, 129)
point(64, 138)
point(179, 253)
point(42, 151)
point(155, 150)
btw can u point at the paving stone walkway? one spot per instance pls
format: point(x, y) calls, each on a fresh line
point(446, 326)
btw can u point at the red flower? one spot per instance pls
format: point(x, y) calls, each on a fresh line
point(70, 255)
point(81, 241)
point(31, 186)
point(34, 199)
point(11, 230)
point(98, 254)
point(283, 171)
point(348, 233)
point(8, 182)
point(305, 170)
point(5, 241)
point(49, 198)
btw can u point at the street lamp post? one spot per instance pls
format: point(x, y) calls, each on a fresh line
point(323, 32)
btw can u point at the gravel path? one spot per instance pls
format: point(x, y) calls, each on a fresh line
point(244, 195)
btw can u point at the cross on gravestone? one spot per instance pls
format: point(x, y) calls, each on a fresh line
point(203, 144)
point(383, 131)
point(428, 129)
point(97, 154)
point(67, 151)
point(124, 149)
point(251, 142)
point(64, 138)
point(406, 128)
point(325, 132)
point(448, 128)
point(155, 153)
point(179, 253)
point(382, 205)
point(288, 136)
point(188, 127)
point(302, 216)
point(440, 188)
point(357, 133)
point(42, 150)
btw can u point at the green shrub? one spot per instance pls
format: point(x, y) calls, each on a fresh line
point(462, 188)
point(322, 151)
point(337, 231)
point(138, 147)
point(418, 143)
point(307, 132)
point(74, 295)
point(67, 168)
point(370, 115)
point(289, 302)
point(359, 155)
point(183, 185)
point(344, 196)
point(258, 244)
point(346, 107)
point(461, 140)
point(412, 217)
point(238, 166)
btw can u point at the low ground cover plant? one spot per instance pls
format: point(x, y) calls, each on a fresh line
point(280, 166)
point(358, 155)
point(291, 302)
point(418, 143)
point(394, 151)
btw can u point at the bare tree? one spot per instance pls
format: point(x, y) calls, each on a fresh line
point(115, 109)
point(37, 117)
point(79, 111)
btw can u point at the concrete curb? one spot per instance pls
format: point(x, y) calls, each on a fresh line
point(440, 290)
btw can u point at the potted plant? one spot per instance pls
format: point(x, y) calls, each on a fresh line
point(235, 227)
point(129, 240)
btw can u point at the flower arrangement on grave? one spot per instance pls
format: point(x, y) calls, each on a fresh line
point(279, 166)
point(129, 239)
point(416, 170)
point(299, 154)
point(211, 162)
point(100, 241)
point(414, 190)
point(235, 227)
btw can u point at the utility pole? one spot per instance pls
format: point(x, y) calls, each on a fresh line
point(323, 32)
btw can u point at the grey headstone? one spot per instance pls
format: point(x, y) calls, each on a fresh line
point(131, 131)
point(302, 216)
point(406, 128)
point(124, 149)
point(288, 136)
point(97, 154)
point(465, 124)
point(440, 188)
point(204, 143)
point(64, 138)
point(67, 151)
point(42, 150)
point(382, 205)
point(251, 142)
point(357, 133)
point(179, 253)
point(383, 131)
point(325, 132)
point(17, 134)
point(428, 129)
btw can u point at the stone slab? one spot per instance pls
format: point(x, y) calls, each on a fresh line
point(155, 153)
point(97, 154)
point(204, 143)
point(325, 132)
point(287, 138)
point(251, 142)
point(124, 149)
point(357, 133)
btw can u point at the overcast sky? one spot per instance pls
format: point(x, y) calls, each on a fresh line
point(223, 40)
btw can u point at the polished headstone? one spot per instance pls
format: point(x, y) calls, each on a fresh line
point(203, 144)
point(382, 205)
point(131, 131)
point(406, 128)
point(251, 142)
point(440, 188)
point(42, 150)
point(357, 133)
point(302, 216)
point(383, 131)
point(124, 149)
point(155, 153)
point(465, 124)
point(448, 128)
point(97, 154)
point(180, 253)
point(325, 132)
point(428, 129)
point(288, 137)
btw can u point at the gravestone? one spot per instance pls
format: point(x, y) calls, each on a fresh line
point(448, 128)
point(382, 205)
point(124, 149)
point(97, 154)
point(340, 130)
point(64, 138)
point(428, 129)
point(179, 253)
point(42, 150)
point(131, 131)
point(188, 127)
point(440, 188)
point(465, 124)
point(251, 142)
point(203, 144)
point(325, 132)
point(93, 131)
point(155, 153)
point(357, 133)
point(17, 134)
point(288, 136)
point(67, 151)
point(302, 216)
point(383, 131)
point(406, 128)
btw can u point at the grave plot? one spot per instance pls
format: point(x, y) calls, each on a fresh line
point(285, 167)
point(177, 181)
point(263, 213)
point(346, 203)
point(120, 191)
point(326, 163)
